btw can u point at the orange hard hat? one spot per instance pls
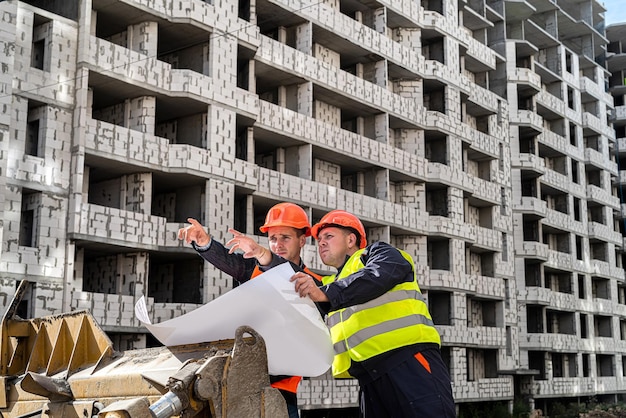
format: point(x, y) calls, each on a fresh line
point(287, 214)
point(343, 219)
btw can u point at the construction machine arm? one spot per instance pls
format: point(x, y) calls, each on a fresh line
point(235, 385)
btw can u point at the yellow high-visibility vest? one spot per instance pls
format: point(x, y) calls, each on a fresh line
point(398, 318)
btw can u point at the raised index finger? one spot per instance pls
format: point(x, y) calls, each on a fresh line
point(235, 232)
point(193, 222)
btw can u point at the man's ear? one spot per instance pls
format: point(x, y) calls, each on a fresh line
point(352, 240)
point(302, 239)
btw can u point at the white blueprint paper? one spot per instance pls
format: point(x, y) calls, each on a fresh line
point(297, 340)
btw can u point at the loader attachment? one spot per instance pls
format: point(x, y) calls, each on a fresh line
point(65, 366)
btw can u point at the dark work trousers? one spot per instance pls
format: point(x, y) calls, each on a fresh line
point(417, 387)
point(292, 403)
point(292, 409)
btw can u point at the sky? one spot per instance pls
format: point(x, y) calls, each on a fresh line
point(616, 11)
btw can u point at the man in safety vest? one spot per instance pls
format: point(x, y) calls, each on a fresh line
point(287, 226)
point(380, 326)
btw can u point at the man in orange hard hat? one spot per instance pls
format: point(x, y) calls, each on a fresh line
point(287, 227)
point(380, 326)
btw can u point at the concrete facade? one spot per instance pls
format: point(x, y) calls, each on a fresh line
point(568, 244)
point(471, 134)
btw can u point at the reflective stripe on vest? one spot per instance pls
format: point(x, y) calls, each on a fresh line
point(395, 319)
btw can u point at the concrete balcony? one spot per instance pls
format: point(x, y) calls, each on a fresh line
point(532, 249)
point(518, 9)
point(604, 233)
point(558, 342)
point(564, 386)
point(438, 279)
point(603, 269)
point(549, 104)
point(596, 125)
point(485, 100)
point(489, 287)
point(341, 26)
point(602, 306)
point(529, 162)
point(125, 145)
point(549, 74)
point(531, 206)
point(537, 296)
point(603, 197)
point(594, 89)
point(564, 221)
point(440, 226)
point(46, 172)
point(446, 75)
point(496, 388)
point(190, 159)
point(203, 12)
point(339, 141)
point(441, 173)
point(596, 159)
point(619, 309)
point(479, 57)
point(482, 286)
point(564, 301)
point(482, 142)
point(323, 196)
point(466, 336)
point(547, 297)
point(442, 24)
point(346, 86)
point(559, 143)
point(485, 190)
point(559, 260)
point(605, 345)
point(406, 8)
point(525, 76)
point(475, 19)
point(201, 87)
point(119, 227)
point(487, 239)
point(540, 34)
point(592, 122)
point(559, 181)
point(609, 384)
point(620, 146)
point(573, 115)
point(620, 113)
point(527, 118)
point(128, 68)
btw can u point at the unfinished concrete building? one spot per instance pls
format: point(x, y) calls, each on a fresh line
point(471, 134)
point(616, 64)
point(567, 243)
